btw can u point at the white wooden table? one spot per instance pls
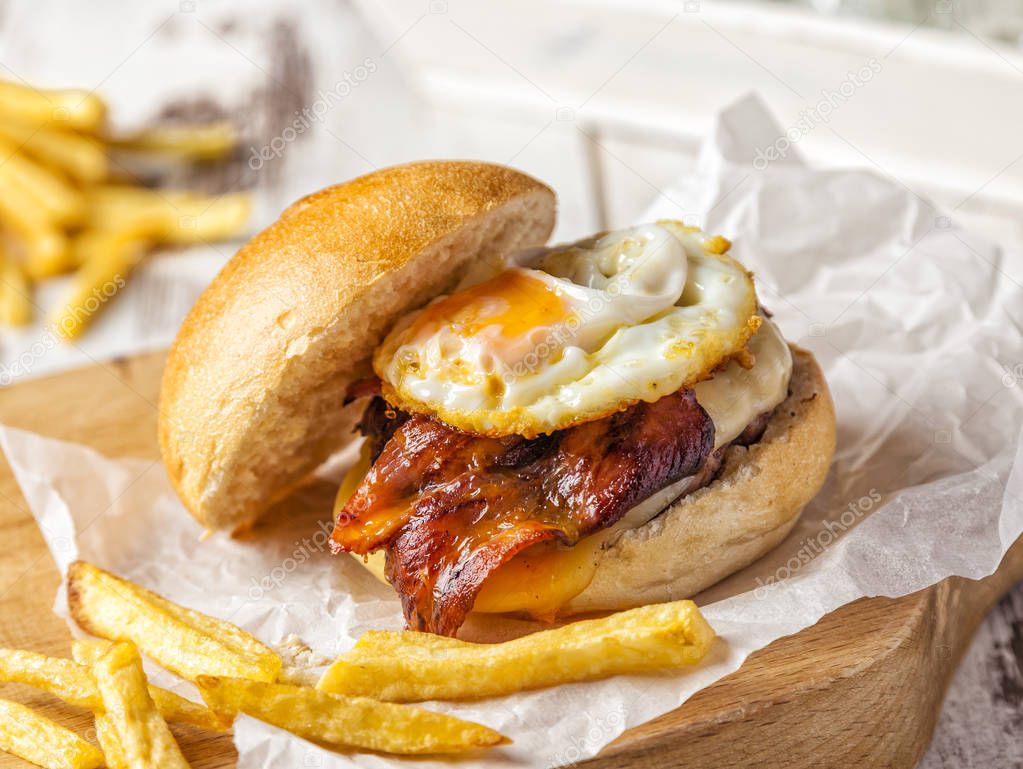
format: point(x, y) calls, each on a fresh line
point(606, 105)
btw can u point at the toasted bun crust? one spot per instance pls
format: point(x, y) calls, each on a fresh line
point(723, 527)
point(251, 401)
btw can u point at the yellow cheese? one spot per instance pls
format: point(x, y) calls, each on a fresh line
point(539, 580)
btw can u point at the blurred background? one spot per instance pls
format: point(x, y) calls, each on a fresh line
point(250, 106)
point(606, 101)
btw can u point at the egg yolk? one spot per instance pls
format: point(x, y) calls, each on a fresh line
point(515, 303)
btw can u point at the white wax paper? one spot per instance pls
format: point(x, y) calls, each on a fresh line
point(917, 325)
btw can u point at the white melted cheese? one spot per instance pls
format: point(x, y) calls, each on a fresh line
point(732, 399)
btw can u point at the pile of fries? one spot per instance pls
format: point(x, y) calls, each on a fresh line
point(66, 203)
point(353, 707)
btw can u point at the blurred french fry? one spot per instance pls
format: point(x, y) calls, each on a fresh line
point(60, 200)
point(45, 246)
point(143, 212)
point(90, 245)
point(71, 681)
point(72, 107)
point(410, 666)
point(108, 262)
point(15, 294)
point(60, 208)
point(46, 254)
point(143, 736)
point(346, 722)
point(169, 216)
point(210, 141)
point(28, 735)
point(83, 158)
point(184, 641)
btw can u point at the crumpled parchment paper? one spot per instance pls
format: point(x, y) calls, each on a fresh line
point(917, 325)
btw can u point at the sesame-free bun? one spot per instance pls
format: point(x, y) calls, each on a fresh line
point(723, 527)
point(251, 400)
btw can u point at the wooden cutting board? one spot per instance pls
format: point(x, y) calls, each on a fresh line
point(863, 687)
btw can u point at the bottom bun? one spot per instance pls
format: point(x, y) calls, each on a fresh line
point(747, 510)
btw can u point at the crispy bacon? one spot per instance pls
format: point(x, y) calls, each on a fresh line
point(450, 507)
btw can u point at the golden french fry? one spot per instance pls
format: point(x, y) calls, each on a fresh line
point(15, 294)
point(168, 216)
point(346, 722)
point(145, 740)
point(184, 641)
point(98, 246)
point(46, 254)
point(174, 707)
point(62, 678)
point(180, 710)
point(45, 247)
point(409, 666)
point(72, 107)
point(106, 735)
point(108, 260)
point(83, 158)
point(28, 735)
point(59, 200)
point(86, 653)
point(71, 681)
point(201, 142)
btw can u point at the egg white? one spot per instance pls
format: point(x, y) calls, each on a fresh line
point(556, 337)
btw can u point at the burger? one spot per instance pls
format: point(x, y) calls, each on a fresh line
point(545, 430)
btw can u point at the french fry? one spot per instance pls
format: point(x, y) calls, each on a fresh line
point(71, 107)
point(410, 667)
point(97, 246)
point(86, 653)
point(106, 735)
point(180, 218)
point(184, 641)
point(62, 678)
point(346, 722)
point(108, 260)
point(46, 254)
point(60, 200)
point(145, 740)
point(59, 210)
point(45, 247)
point(200, 142)
point(71, 681)
point(28, 735)
point(172, 707)
point(83, 158)
point(15, 294)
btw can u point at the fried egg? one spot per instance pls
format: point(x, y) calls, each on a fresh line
point(552, 338)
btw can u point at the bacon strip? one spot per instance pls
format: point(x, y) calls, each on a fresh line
point(450, 507)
